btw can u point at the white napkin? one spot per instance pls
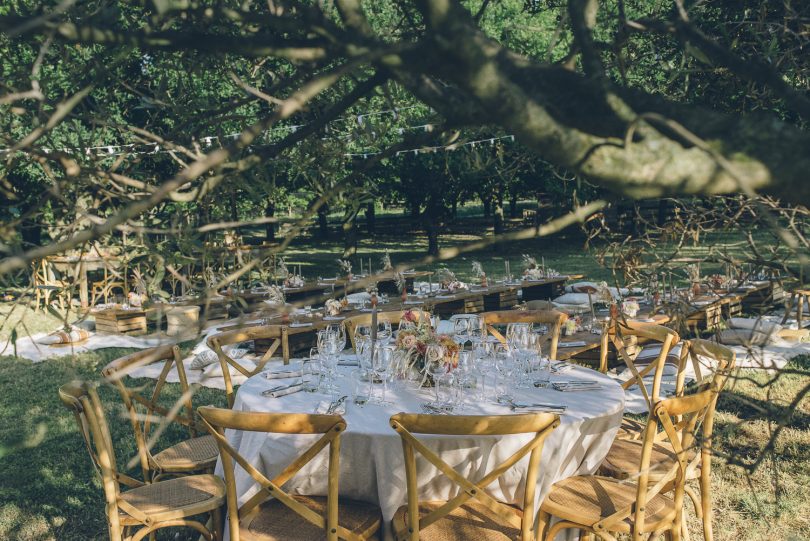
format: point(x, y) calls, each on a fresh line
point(282, 392)
point(572, 344)
point(334, 318)
point(323, 407)
point(565, 387)
point(281, 374)
point(295, 325)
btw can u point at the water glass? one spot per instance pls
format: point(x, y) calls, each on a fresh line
point(361, 387)
point(543, 376)
point(310, 377)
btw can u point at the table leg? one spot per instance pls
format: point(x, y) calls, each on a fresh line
point(83, 295)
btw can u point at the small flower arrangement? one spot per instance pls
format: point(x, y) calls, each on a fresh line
point(445, 276)
point(282, 269)
point(478, 272)
point(603, 293)
point(570, 327)
point(386, 262)
point(345, 267)
point(455, 285)
point(333, 307)
point(275, 295)
point(294, 280)
point(630, 308)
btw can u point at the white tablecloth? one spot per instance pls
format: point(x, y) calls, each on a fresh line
point(371, 463)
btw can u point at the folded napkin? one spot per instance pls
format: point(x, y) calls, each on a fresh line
point(561, 367)
point(334, 318)
point(348, 362)
point(445, 296)
point(577, 344)
point(323, 408)
point(281, 374)
point(283, 390)
point(414, 303)
point(572, 386)
point(296, 325)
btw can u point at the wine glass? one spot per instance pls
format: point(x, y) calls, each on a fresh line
point(505, 366)
point(384, 331)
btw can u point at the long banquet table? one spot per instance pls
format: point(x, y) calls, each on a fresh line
point(372, 468)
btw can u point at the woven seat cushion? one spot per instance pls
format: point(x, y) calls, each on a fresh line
point(175, 498)
point(587, 499)
point(277, 522)
point(194, 454)
point(624, 458)
point(470, 522)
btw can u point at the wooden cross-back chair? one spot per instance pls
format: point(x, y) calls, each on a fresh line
point(622, 461)
point(136, 513)
point(649, 503)
point(473, 514)
point(663, 339)
point(273, 514)
point(279, 335)
point(46, 284)
point(553, 318)
point(394, 317)
point(149, 417)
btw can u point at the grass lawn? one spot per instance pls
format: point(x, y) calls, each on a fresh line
point(48, 489)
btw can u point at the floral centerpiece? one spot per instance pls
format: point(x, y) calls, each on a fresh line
point(448, 280)
point(386, 262)
point(294, 280)
point(345, 267)
point(414, 341)
point(531, 270)
point(478, 272)
point(333, 307)
point(630, 308)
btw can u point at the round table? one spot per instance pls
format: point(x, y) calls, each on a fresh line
point(371, 464)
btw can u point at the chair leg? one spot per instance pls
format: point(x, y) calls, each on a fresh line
point(216, 524)
point(542, 525)
point(696, 501)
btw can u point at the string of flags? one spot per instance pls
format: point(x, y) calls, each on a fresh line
point(208, 140)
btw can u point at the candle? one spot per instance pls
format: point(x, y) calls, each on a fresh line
point(543, 259)
point(373, 325)
point(361, 266)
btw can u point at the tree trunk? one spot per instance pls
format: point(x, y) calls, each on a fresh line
point(498, 222)
point(234, 210)
point(270, 228)
point(432, 229)
point(371, 218)
point(513, 205)
point(323, 222)
point(487, 202)
point(350, 236)
point(454, 209)
point(31, 231)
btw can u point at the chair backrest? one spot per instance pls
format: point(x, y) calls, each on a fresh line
point(663, 336)
point(279, 334)
point(218, 420)
point(83, 401)
point(680, 420)
point(698, 350)
point(553, 318)
point(539, 425)
point(394, 317)
point(147, 397)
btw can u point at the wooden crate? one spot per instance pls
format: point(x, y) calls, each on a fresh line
point(469, 305)
point(503, 300)
point(732, 308)
point(707, 319)
point(120, 321)
point(765, 298)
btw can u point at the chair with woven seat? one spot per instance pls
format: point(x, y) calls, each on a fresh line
point(196, 454)
point(473, 514)
point(276, 335)
point(661, 341)
point(393, 317)
point(136, 513)
point(46, 285)
point(273, 514)
point(552, 318)
point(651, 502)
point(623, 459)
